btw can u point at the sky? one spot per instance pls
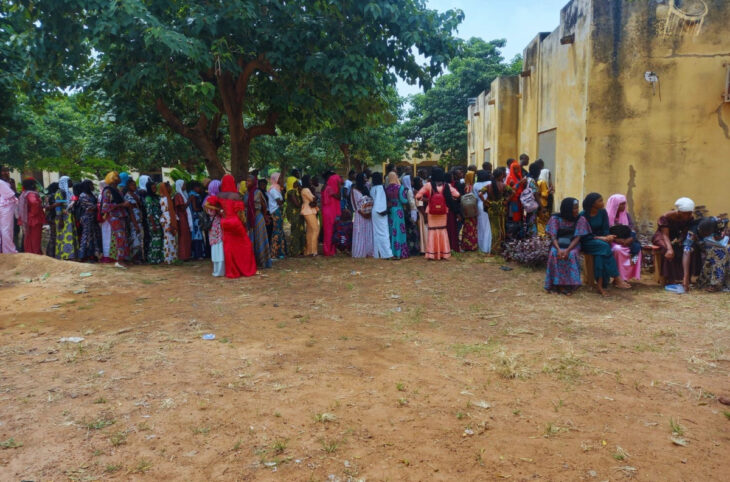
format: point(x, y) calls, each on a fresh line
point(518, 21)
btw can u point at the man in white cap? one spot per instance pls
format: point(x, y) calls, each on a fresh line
point(675, 236)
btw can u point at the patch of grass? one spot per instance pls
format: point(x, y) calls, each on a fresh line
point(147, 281)
point(402, 402)
point(118, 438)
point(100, 400)
point(143, 427)
point(201, 430)
point(111, 468)
point(10, 443)
point(551, 430)
point(558, 405)
point(509, 367)
point(279, 446)
point(143, 465)
point(281, 324)
point(324, 417)
point(480, 349)
point(620, 454)
point(677, 429)
point(237, 445)
point(330, 446)
point(727, 414)
point(99, 423)
point(567, 367)
point(460, 415)
point(400, 386)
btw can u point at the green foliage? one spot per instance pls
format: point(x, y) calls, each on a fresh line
point(240, 65)
point(436, 118)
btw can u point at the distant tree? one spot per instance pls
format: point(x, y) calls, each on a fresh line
point(436, 118)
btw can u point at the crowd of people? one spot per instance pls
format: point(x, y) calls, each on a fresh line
point(391, 215)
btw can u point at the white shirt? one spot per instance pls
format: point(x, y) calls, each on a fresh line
point(273, 195)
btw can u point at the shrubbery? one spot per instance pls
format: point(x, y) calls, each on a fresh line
point(531, 252)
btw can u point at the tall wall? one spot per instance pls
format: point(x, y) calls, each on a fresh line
point(495, 128)
point(657, 144)
point(553, 101)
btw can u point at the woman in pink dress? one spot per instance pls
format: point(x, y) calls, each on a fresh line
point(330, 211)
point(629, 265)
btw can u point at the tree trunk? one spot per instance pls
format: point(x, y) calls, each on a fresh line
point(345, 148)
point(240, 157)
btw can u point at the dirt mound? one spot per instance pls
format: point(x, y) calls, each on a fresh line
point(23, 266)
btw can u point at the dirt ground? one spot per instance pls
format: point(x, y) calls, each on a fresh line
point(336, 369)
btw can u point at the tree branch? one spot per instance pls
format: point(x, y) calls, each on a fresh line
point(172, 120)
point(247, 70)
point(267, 128)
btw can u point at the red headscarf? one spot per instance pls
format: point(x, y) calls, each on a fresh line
point(333, 187)
point(228, 184)
point(514, 178)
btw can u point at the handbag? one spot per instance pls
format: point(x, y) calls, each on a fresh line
point(529, 203)
point(565, 237)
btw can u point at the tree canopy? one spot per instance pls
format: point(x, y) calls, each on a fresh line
point(227, 72)
point(436, 117)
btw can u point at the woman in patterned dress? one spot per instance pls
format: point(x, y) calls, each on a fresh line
point(168, 221)
point(296, 221)
point(396, 197)
point(114, 211)
point(66, 240)
point(563, 266)
point(155, 253)
point(136, 241)
point(215, 234)
point(362, 226)
point(276, 200)
point(469, 239)
point(90, 246)
point(256, 215)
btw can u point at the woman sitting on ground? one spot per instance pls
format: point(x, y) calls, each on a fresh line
point(565, 230)
point(598, 243)
point(626, 249)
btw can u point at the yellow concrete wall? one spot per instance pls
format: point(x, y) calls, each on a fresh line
point(656, 150)
point(506, 110)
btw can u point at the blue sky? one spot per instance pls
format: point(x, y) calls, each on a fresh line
point(518, 21)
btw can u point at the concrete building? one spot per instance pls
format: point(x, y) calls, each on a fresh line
point(622, 97)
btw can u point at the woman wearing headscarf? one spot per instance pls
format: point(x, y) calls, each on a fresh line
point(135, 238)
point(565, 230)
point(396, 198)
point(297, 237)
point(545, 194)
point(517, 182)
point(156, 244)
point(276, 203)
point(331, 210)
point(381, 235)
point(8, 202)
point(438, 238)
point(195, 206)
point(142, 195)
point(66, 240)
point(184, 221)
point(168, 221)
point(411, 217)
point(215, 234)
point(90, 245)
point(123, 179)
point(362, 226)
point(256, 215)
point(31, 216)
point(483, 227)
point(626, 249)
point(309, 213)
point(469, 235)
point(681, 261)
point(498, 195)
point(114, 210)
point(598, 243)
point(238, 250)
point(49, 206)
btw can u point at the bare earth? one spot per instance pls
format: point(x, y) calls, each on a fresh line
point(335, 369)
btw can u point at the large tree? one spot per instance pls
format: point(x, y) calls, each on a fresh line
point(243, 65)
point(436, 118)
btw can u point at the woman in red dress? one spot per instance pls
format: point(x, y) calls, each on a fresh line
point(237, 246)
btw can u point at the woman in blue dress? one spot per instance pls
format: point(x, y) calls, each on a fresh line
point(598, 243)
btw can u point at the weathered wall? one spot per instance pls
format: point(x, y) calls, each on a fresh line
point(495, 128)
point(658, 149)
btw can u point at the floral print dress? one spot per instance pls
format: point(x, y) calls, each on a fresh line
point(169, 243)
point(66, 240)
point(396, 198)
point(136, 241)
point(564, 272)
point(155, 254)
